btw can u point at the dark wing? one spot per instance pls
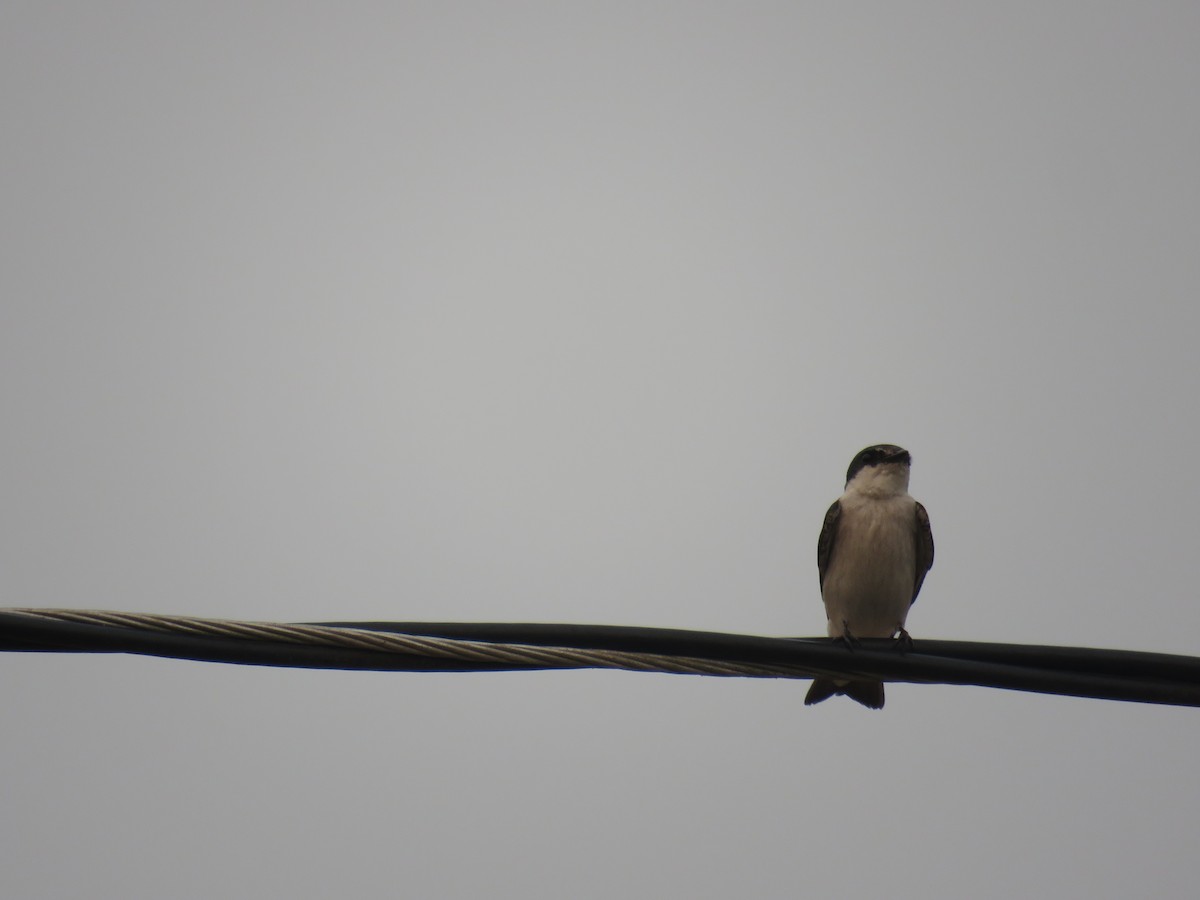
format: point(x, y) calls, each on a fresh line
point(924, 538)
point(828, 536)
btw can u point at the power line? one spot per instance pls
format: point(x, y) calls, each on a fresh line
point(488, 647)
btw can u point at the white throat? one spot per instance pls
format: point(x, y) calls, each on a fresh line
point(883, 480)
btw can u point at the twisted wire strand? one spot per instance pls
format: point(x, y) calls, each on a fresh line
point(444, 648)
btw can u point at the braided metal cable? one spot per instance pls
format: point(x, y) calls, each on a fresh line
point(444, 648)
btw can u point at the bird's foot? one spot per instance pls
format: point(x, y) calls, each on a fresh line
point(847, 638)
point(904, 641)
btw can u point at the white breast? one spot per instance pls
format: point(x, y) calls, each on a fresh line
point(869, 582)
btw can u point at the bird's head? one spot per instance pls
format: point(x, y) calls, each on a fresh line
point(880, 468)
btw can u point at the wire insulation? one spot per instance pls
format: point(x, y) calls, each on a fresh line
point(460, 647)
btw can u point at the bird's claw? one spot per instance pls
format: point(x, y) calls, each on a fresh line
point(847, 638)
point(904, 641)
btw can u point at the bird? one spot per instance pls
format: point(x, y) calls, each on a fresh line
point(874, 551)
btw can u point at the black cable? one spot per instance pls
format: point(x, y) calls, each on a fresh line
point(1104, 674)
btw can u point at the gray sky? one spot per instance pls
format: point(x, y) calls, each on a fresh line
point(578, 312)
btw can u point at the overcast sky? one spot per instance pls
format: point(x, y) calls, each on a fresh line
point(577, 312)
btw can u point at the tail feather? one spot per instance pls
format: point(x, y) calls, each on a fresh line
point(868, 693)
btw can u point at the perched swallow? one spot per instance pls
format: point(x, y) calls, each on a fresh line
point(872, 556)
